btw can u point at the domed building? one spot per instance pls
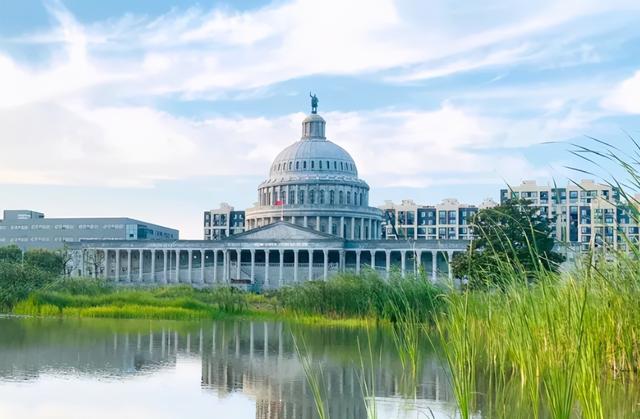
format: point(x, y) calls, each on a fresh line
point(311, 221)
point(314, 183)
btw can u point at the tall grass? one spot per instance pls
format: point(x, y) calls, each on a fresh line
point(95, 298)
point(366, 295)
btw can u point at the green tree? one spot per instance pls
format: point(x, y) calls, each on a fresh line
point(46, 260)
point(17, 281)
point(513, 241)
point(10, 254)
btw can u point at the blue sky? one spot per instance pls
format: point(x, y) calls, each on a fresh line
point(161, 109)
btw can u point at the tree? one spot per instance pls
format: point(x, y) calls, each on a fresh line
point(46, 260)
point(10, 254)
point(512, 238)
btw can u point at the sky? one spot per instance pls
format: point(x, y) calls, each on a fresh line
point(160, 110)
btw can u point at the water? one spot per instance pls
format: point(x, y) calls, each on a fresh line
point(94, 368)
point(98, 368)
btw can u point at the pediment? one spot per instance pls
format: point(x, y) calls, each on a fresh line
point(282, 230)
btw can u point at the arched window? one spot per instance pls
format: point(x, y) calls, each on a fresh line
point(290, 165)
point(300, 197)
point(340, 198)
point(361, 199)
point(297, 165)
point(332, 197)
point(320, 164)
point(292, 198)
point(348, 198)
point(312, 197)
point(312, 164)
point(321, 197)
point(335, 165)
point(328, 166)
point(341, 167)
point(304, 164)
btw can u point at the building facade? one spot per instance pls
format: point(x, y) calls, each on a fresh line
point(583, 215)
point(312, 220)
point(31, 229)
point(223, 222)
point(448, 220)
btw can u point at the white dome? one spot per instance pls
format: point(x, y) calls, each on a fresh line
point(313, 154)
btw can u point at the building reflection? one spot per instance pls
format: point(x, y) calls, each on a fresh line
point(257, 359)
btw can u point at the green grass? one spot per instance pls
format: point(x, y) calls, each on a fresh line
point(561, 338)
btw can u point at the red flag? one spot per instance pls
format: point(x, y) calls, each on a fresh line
point(278, 203)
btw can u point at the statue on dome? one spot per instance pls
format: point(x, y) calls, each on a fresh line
point(314, 103)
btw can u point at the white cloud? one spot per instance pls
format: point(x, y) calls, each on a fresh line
point(626, 96)
point(138, 146)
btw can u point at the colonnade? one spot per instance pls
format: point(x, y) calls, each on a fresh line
point(269, 267)
point(350, 228)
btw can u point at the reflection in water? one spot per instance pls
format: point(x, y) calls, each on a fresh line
point(255, 360)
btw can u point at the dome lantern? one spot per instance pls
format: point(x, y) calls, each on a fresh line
point(313, 128)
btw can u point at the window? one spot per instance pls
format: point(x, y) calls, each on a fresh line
point(291, 197)
point(348, 198)
point(335, 165)
point(304, 164)
point(328, 166)
point(290, 165)
point(320, 164)
point(321, 197)
point(341, 167)
point(301, 198)
point(332, 197)
point(312, 164)
point(312, 196)
point(340, 198)
point(297, 165)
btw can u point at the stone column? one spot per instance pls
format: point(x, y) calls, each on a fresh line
point(317, 223)
point(342, 261)
point(141, 264)
point(362, 229)
point(153, 266)
point(305, 221)
point(215, 265)
point(225, 265)
point(177, 279)
point(388, 260)
point(295, 265)
point(357, 261)
point(253, 265)
point(370, 227)
point(341, 227)
point(403, 260)
point(449, 259)
point(281, 276)
point(129, 265)
point(239, 265)
point(164, 260)
point(190, 265)
point(266, 267)
point(202, 257)
point(325, 263)
point(117, 277)
point(330, 226)
point(418, 255)
point(434, 265)
point(353, 228)
point(310, 264)
point(106, 264)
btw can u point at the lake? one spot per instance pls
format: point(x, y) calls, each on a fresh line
point(101, 368)
point(95, 368)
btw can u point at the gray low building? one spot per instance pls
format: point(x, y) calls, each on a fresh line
point(32, 230)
